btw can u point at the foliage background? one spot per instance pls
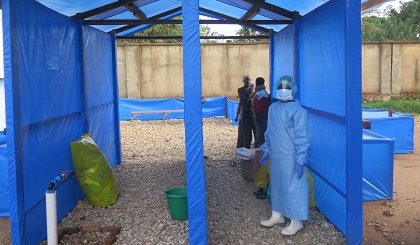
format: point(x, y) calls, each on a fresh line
point(393, 25)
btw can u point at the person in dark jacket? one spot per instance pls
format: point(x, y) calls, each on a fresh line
point(246, 122)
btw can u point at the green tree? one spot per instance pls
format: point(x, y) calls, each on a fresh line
point(372, 29)
point(245, 31)
point(165, 30)
point(403, 25)
point(158, 30)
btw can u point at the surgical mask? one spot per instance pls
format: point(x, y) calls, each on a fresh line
point(284, 94)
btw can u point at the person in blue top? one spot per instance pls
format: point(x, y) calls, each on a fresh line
point(287, 145)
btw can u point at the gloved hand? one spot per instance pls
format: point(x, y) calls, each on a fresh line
point(236, 118)
point(299, 168)
point(264, 158)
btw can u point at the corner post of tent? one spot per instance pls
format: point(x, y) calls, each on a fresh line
point(353, 92)
point(116, 95)
point(296, 54)
point(271, 57)
point(196, 188)
point(83, 79)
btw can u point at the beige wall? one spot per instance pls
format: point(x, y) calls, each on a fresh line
point(410, 72)
point(391, 67)
point(371, 67)
point(223, 67)
point(150, 71)
point(155, 70)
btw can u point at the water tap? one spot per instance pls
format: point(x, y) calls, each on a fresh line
point(64, 173)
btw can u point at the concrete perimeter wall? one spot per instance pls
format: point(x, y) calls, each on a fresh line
point(391, 68)
point(155, 70)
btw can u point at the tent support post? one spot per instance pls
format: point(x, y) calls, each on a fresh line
point(196, 189)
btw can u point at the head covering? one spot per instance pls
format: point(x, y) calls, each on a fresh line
point(259, 81)
point(289, 81)
point(246, 78)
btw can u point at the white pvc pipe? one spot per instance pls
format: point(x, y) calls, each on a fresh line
point(51, 205)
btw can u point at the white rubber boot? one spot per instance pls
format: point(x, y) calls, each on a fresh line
point(295, 226)
point(276, 218)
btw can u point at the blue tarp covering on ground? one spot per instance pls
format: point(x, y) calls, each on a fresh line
point(213, 107)
point(378, 167)
point(61, 82)
point(399, 126)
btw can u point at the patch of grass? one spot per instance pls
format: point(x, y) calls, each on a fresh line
point(400, 105)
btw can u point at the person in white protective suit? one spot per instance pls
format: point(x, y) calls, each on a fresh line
point(287, 145)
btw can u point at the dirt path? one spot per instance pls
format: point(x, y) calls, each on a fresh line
point(5, 231)
point(397, 221)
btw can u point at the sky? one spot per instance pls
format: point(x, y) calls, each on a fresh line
point(226, 29)
point(396, 4)
point(230, 30)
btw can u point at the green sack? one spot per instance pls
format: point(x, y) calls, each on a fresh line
point(93, 172)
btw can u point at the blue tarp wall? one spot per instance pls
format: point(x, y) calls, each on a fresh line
point(4, 179)
point(378, 166)
point(325, 47)
point(213, 107)
point(399, 127)
point(60, 82)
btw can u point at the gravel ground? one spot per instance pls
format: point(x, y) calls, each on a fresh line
point(154, 161)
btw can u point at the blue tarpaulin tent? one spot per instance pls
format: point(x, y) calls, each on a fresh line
point(4, 195)
point(398, 126)
point(378, 167)
point(61, 82)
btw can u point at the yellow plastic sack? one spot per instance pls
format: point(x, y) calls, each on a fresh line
point(262, 175)
point(93, 172)
point(312, 202)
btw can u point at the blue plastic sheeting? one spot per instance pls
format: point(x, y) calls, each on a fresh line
point(101, 90)
point(196, 187)
point(399, 127)
point(328, 39)
point(233, 8)
point(60, 82)
point(281, 64)
point(213, 107)
point(232, 106)
point(4, 179)
point(378, 167)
